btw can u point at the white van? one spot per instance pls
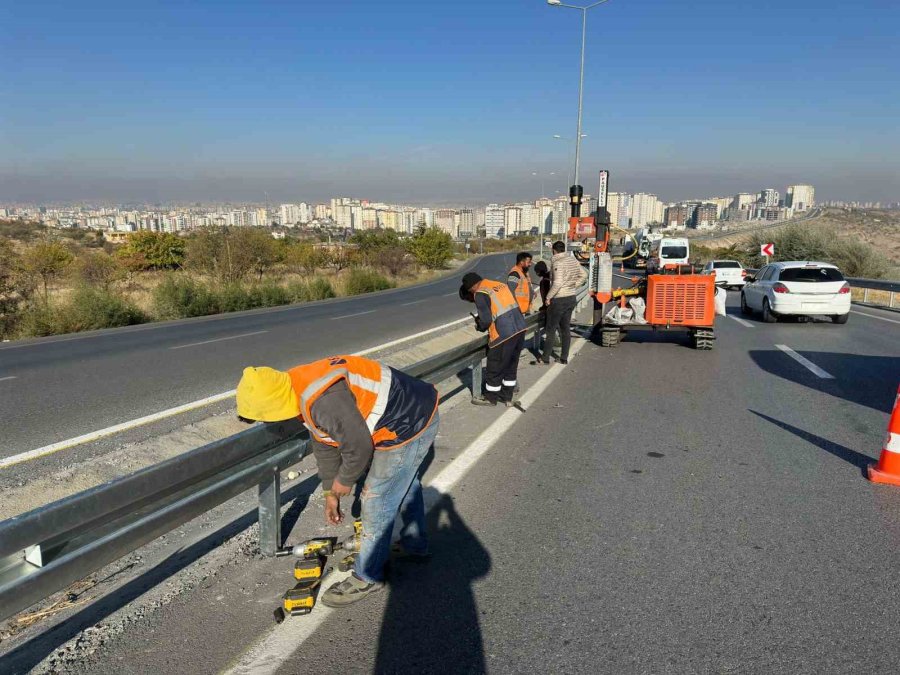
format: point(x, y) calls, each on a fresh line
point(668, 251)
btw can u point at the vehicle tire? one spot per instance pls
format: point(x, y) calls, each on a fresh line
point(745, 308)
point(840, 318)
point(767, 315)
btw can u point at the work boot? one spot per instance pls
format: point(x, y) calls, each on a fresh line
point(483, 401)
point(350, 590)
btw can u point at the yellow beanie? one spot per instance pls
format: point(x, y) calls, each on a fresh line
point(266, 395)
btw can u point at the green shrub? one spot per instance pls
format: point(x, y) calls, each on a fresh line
point(233, 298)
point(316, 288)
point(179, 297)
point(87, 309)
point(319, 288)
point(270, 295)
point(363, 280)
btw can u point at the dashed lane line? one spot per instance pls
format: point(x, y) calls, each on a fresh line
point(347, 316)
point(872, 316)
point(221, 339)
point(177, 410)
point(741, 321)
point(8, 377)
point(274, 649)
point(806, 363)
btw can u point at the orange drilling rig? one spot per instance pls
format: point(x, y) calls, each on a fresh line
point(676, 299)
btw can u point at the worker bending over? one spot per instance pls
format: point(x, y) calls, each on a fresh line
point(500, 316)
point(358, 412)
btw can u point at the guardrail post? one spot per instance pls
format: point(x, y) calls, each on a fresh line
point(477, 378)
point(891, 302)
point(270, 513)
point(865, 295)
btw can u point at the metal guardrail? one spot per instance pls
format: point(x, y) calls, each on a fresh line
point(47, 549)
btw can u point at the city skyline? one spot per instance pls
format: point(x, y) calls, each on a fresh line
point(449, 103)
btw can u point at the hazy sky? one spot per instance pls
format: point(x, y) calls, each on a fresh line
point(444, 102)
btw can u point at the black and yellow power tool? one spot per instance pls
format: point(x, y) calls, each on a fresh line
point(301, 598)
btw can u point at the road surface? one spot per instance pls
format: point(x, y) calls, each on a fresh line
point(54, 389)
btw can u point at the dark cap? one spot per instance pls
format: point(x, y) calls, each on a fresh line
point(468, 281)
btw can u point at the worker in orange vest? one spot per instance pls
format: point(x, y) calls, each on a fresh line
point(361, 414)
point(519, 283)
point(500, 316)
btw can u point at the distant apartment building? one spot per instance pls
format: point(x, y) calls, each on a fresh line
point(767, 198)
point(530, 218)
point(742, 201)
point(444, 220)
point(425, 217)
point(644, 210)
point(560, 216)
point(322, 212)
point(466, 223)
point(705, 216)
point(343, 215)
point(800, 197)
point(289, 215)
point(678, 216)
point(512, 220)
point(494, 221)
point(369, 218)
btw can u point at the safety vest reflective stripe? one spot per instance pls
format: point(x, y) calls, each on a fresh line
point(523, 290)
point(507, 319)
point(371, 394)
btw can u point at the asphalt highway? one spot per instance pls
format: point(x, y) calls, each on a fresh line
point(54, 389)
point(663, 510)
point(650, 509)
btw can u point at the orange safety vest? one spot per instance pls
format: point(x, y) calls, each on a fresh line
point(395, 406)
point(506, 317)
point(523, 290)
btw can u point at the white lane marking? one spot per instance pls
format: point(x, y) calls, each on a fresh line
point(170, 412)
point(414, 302)
point(741, 321)
point(347, 316)
point(872, 316)
point(447, 295)
point(8, 377)
point(274, 649)
point(805, 362)
point(109, 431)
point(222, 339)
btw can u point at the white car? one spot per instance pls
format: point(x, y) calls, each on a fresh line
point(728, 272)
point(797, 289)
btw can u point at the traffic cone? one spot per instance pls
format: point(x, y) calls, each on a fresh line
point(622, 267)
point(888, 468)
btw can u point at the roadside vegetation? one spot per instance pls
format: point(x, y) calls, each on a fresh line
point(862, 242)
point(856, 258)
point(63, 281)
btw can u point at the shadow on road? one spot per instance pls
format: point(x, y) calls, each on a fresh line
point(867, 380)
point(857, 459)
point(431, 622)
point(28, 654)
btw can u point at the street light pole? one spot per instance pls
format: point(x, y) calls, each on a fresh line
point(584, 11)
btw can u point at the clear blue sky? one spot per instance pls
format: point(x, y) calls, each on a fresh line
point(453, 101)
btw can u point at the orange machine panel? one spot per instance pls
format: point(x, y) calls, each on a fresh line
point(681, 300)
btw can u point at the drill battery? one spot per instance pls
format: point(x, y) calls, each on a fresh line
point(301, 598)
point(308, 568)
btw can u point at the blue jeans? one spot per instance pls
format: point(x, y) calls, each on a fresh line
point(393, 486)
